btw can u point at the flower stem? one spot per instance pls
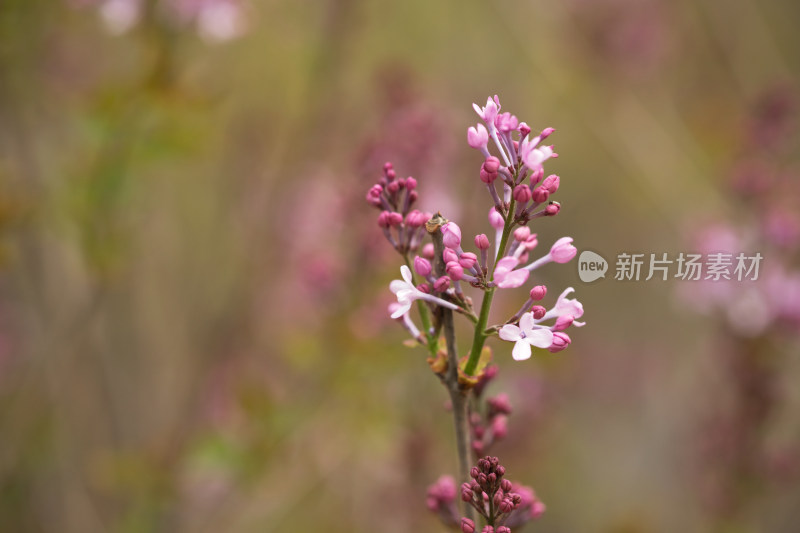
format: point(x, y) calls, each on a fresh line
point(458, 396)
point(480, 335)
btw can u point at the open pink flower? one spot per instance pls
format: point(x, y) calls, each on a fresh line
point(407, 293)
point(506, 277)
point(525, 335)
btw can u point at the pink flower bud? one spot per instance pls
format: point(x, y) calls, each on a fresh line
point(441, 284)
point(538, 311)
point(505, 485)
point(522, 193)
point(540, 194)
point(524, 129)
point(412, 197)
point(538, 292)
point(449, 255)
point(411, 183)
point(552, 209)
point(477, 447)
point(497, 498)
point(424, 287)
point(387, 166)
point(422, 266)
point(546, 133)
point(500, 404)
point(467, 525)
point(428, 251)
point(560, 341)
point(496, 219)
point(416, 219)
point(393, 187)
point(402, 183)
point(536, 176)
point(563, 251)
point(477, 137)
point(563, 322)
point(384, 219)
point(482, 241)
point(451, 235)
point(530, 243)
point(390, 174)
point(506, 506)
point(374, 195)
point(467, 260)
point(395, 219)
point(522, 234)
point(502, 529)
point(491, 164)
point(500, 427)
point(551, 183)
point(454, 270)
point(487, 177)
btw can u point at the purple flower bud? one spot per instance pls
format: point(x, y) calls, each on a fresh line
point(536, 176)
point(562, 250)
point(501, 470)
point(538, 311)
point(492, 479)
point(505, 485)
point(374, 195)
point(496, 219)
point(552, 209)
point(467, 525)
point(467, 260)
point(522, 193)
point(424, 287)
point(500, 404)
point(411, 183)
point(482, 479)
point(560, 341)
point(540, 194)
point(563, 322)
point(441, 284)
point(412, 197)
point(500, 427)
point(422, 266)
point(384, 219)
point(449, 255)
point(473, 472)
point(491, 164)
point(428, 251)
point(487, 529)
point(538, 292)
point(387, 166)
point(454, 270)
point(506, 506)
point(551, 183)
point(497, 498)
point(503, 529)
point(522, 234)
point(482, 241)
point(451, 235)
point(487, 177)
point(416, 219)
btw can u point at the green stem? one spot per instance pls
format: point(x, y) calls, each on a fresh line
point(480, 336)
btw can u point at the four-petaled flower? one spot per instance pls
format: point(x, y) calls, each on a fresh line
point(406, 293)
point(527, 334)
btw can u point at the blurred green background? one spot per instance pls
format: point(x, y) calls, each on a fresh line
point(193, 291)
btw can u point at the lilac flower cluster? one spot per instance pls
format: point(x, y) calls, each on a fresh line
point(524, 195)
point(502, 503)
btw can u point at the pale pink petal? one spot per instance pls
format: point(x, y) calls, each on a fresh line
point(510, 332)
point(514, 279)
point(541, 338)
point(406, 273)
point(526, 323)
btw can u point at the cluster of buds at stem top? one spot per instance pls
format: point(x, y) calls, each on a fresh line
point(395, 197)
point(524, 195)
point(496, 499)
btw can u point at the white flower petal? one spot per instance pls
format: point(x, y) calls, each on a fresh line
point(541, 338)
point(510, 332)
point(526, 323)
point(406, 273)
point(521, 351)
point(396, 286)
point(400, 311)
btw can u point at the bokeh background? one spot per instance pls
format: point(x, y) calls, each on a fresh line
point(193, 291)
